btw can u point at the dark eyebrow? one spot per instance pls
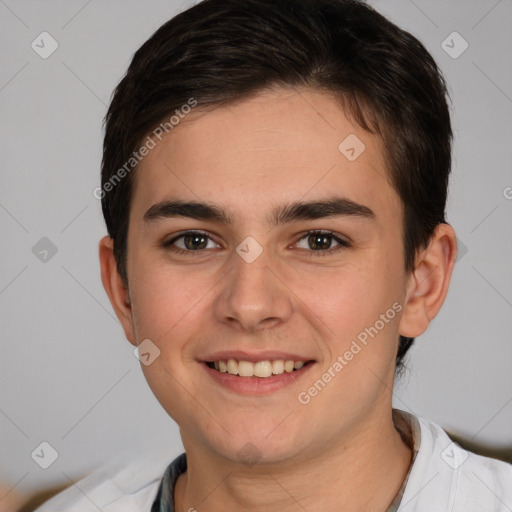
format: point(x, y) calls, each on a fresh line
point(283, 214)
point(191, 209)
point(336, 206)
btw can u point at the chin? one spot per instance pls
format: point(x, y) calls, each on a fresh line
point(262, 442)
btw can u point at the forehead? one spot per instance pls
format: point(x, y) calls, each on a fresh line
point(275, 147)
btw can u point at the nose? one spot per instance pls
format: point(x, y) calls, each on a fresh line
point(253, 296)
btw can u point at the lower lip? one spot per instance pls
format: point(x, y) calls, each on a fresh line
point(256, 386)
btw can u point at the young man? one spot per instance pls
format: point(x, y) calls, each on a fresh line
point(274, 184)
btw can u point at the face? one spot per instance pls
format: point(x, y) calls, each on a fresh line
point(292, 251)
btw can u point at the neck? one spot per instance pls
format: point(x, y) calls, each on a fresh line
point(364, 471)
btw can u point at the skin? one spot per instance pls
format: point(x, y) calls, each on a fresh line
point(249, 157)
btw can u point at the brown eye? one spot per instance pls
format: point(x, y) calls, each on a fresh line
point(195, 242)
point(319, 241)
point(191, 241)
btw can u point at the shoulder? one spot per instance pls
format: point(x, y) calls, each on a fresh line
point(127, 484)
point(445, 476)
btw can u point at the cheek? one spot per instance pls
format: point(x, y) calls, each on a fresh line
point(339, 296)
point(346, 304)
point(169, 309)
point(165, 301)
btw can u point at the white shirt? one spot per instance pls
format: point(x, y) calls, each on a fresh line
point(443, 478)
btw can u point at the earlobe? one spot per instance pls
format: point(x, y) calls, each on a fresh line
point(428, 283)
point(115, 288)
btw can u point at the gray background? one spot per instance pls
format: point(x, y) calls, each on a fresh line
point(69, 377)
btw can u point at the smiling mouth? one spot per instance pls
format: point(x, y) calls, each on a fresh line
point(262, 369)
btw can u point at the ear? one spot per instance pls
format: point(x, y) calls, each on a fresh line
point(115, 288)
point(427, 285)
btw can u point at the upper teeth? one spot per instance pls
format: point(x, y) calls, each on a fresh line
point(259, 369)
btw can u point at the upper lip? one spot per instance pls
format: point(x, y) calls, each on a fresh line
point(240, 355)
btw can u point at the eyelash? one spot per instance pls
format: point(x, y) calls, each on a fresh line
point(343, 244)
